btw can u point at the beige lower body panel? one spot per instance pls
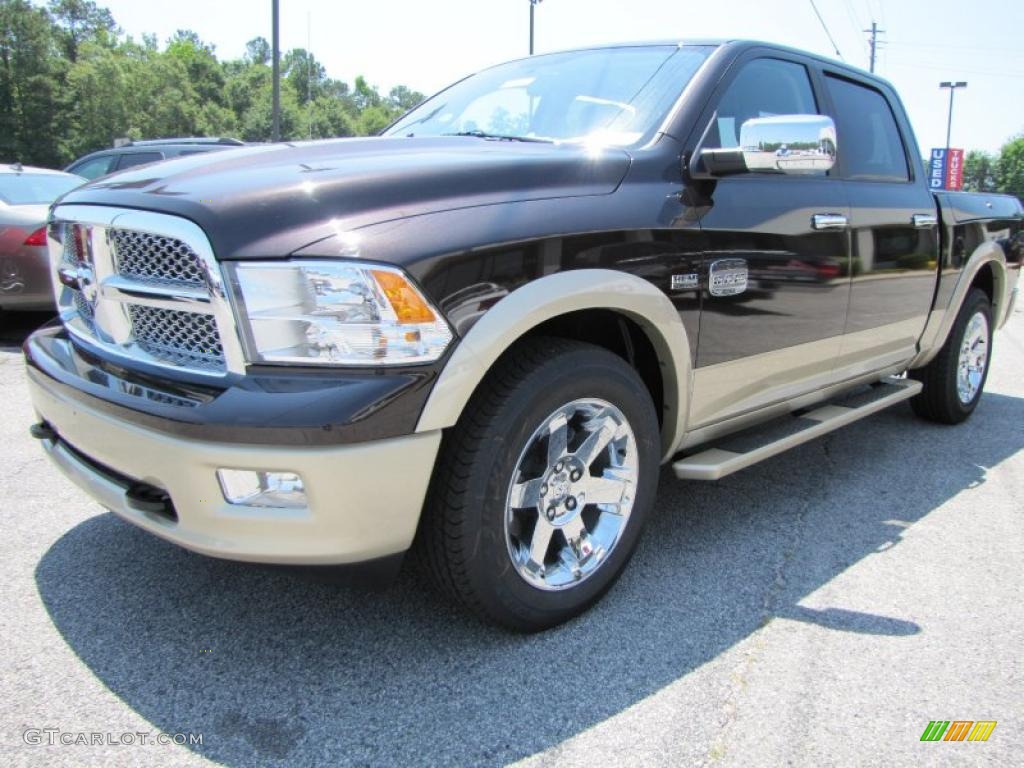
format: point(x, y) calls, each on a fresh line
point(728, 390)
point(364, 500)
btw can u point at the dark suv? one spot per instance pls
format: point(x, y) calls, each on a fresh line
point(97, 164)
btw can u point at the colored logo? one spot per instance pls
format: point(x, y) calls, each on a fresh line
point(958, 730)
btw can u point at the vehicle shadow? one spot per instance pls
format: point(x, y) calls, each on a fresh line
point(276, 669)
point(16, 326)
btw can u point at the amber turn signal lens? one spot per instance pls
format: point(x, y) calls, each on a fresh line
point(409, 306)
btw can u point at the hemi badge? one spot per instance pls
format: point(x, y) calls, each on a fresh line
point(728, 277)
point(682, 282)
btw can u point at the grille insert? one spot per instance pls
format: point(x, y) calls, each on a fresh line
point(156, 259)
point(185, 339)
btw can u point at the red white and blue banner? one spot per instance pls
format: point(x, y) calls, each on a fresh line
point(946, 169)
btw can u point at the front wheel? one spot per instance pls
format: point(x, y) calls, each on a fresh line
point(954, 380)
point(543, 485)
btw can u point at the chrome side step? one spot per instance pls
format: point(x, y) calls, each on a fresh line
point(735, 452)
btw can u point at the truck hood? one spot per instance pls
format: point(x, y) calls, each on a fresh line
point(272, 200)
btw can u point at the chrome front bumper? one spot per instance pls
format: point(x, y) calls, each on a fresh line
point(364, 499)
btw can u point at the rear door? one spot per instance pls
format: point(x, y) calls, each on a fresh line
point(779, 337)
point(893, 225)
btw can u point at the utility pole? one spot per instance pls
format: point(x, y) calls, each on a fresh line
point(874, 32)
point(275, 131)
point(949, 123)
point(533, 4)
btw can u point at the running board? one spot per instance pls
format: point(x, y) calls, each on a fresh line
point(735, 452)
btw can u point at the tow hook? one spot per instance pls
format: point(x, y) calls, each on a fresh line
point(43, 431)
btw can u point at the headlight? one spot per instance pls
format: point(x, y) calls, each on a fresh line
point(334, 313)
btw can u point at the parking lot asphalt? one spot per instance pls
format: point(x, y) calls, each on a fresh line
point(817, 609)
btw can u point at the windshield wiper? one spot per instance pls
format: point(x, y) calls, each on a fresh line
point(500, 137)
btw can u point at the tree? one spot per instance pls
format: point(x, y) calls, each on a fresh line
point(1009, 170)
point(80, 20)
point(30, 77)
point(71, 83)
point(257, 51)
point(305, 73)
point(403, 99)
point(979, 172)
point(200, 63)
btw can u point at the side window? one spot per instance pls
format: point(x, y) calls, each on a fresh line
point(763, 88)
point(869, 140)
point(93, 169)
point(138, 158)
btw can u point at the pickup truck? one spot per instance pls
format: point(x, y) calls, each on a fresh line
point(479, 336)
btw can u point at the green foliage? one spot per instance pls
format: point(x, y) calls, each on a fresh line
point(1009, 168)
point(979, 168)
point(71, 83)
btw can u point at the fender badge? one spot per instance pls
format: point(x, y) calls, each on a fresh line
point(728, 277)
point(682, 282)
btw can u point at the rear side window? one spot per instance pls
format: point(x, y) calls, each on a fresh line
point(138, 158)
point(763, 88)
point(94, 168)
point(869, 140)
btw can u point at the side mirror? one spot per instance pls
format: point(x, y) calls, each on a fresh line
point(791, 144)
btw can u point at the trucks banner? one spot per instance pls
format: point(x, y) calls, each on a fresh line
point(946, 169)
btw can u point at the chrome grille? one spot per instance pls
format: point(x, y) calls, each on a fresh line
point(143, 286)
point(155, 258)
point(183, 338)
point(83, 307)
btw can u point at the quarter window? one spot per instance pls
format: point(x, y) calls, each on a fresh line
point(138, 158)
point(869, 140)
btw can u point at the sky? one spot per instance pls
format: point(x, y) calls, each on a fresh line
point(427, 45)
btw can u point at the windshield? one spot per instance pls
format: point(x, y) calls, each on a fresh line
point(615, 94)
point(35, 188)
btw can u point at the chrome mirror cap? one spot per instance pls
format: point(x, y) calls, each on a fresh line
point(789, 144)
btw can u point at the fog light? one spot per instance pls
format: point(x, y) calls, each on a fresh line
point(255, 488)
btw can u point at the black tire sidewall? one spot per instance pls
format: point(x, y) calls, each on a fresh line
point(581, 373)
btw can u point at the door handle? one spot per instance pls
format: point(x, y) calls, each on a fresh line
point(829, 221)
point(925, 220)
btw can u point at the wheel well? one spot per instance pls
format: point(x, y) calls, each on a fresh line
point(618, 334)
point(985, 280)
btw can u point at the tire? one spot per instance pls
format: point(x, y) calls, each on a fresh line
point(482, 534)
point(948, 398)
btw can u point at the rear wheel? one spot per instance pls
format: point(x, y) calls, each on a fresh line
point(543, 486)
point(954, 380)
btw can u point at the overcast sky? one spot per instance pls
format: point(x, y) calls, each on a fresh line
point(426, 45)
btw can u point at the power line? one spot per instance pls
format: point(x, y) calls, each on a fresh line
point(825, 27)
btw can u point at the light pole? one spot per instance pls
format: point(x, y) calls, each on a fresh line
point(275, 120)
point(533, 3)
point(952, 89)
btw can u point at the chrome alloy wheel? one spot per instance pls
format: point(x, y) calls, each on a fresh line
point(571, 494)
point(973, 358)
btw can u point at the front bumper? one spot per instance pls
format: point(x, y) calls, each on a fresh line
point(364, 499)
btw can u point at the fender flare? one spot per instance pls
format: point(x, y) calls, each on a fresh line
point(986, 253)
point(549, 297)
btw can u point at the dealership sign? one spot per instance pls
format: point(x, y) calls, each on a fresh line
point(946, 169)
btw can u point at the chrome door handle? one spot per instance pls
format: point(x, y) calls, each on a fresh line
point(925, 220)
point(829, 221)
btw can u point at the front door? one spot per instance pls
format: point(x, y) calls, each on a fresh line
point(780, 337)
